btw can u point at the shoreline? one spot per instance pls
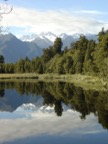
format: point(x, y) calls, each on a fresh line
point(85, 81)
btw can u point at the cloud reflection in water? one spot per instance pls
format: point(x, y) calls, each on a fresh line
point(30, 121)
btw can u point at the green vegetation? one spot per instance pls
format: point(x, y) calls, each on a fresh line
point(85, 57)
point(86, 82)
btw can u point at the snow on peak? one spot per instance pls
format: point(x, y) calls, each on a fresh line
point(63, 35)
point(50, 36)
point(35, 107)
point(28, 106)
point(47, 35)
point(40, 108)
point(76, 36)
point(29, 38)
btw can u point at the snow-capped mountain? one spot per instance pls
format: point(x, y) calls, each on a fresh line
point(29, 38)
point(76, 36)
point(50, 36)
point(13, 48)
point(44, 40)
point(30, 107)
point(63, 36)
point(36, 108)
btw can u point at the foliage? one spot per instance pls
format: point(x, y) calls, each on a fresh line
point(57, 46)
point(83, 57)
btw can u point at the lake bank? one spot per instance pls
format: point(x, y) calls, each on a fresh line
point(85, 81)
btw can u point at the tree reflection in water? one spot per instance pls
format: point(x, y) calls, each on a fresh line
point(54, 94)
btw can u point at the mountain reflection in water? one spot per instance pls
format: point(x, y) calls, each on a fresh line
point(58, 112)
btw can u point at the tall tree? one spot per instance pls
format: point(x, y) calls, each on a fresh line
point(89, 66)
point(57, 46)
point(101, 54)
point(79, 53)
point(1, 59)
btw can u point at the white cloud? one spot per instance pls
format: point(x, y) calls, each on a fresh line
point(36, 21)
point(37, 123)
point(94, 12)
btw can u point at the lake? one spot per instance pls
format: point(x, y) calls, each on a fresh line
point(52, 113)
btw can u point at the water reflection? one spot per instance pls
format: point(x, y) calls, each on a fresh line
point(36, 105)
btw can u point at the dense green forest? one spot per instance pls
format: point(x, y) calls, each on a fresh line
point(84, 56)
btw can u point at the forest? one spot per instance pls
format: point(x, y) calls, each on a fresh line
point(84, 56)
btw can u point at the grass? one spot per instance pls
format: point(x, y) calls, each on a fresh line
point(87, 82)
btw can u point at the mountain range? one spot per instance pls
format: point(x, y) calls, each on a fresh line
point(13, 48)
point(13, 101)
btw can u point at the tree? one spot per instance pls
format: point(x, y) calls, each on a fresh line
point(89, 66)
point(1, 59)
point(27, 65)
point(4, 9)
point(47, 54)
point(68, 64)
point(58, 107)
point(9, 68)
point(1, 64)
point(2, 92)
point(19, 66)
point(101, 54)
point(80, 48)
point(57, 46)
point(101, 34)
point(37, 66)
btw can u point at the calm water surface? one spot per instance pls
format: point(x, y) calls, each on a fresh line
point(52, 113)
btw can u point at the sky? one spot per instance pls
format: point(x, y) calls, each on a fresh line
point(56, 16)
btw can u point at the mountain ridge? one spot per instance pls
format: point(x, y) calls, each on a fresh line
point(14, 48)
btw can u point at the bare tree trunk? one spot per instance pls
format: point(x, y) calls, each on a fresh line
point(5, 8)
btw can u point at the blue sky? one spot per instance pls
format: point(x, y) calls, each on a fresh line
point(57, 16)
point(100, 5)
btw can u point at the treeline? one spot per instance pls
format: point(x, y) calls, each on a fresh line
point(84, 56)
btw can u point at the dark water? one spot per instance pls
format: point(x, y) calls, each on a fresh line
point(52, 113)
